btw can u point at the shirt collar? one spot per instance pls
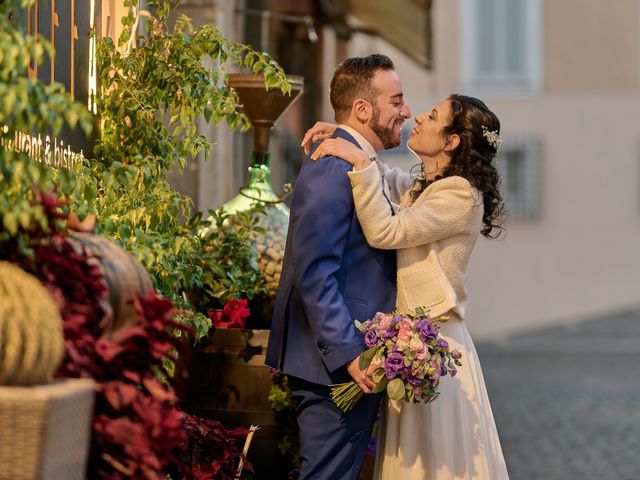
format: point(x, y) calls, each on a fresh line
point(363, 142)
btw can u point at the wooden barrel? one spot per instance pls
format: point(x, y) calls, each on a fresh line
point(229, 382)
point(124, 275)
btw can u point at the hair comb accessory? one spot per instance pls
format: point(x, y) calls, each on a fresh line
point(493, 137)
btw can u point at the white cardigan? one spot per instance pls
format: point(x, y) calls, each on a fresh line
point(434, 236)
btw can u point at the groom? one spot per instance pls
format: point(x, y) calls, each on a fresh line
point(331, 276)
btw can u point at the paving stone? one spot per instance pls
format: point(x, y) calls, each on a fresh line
point(567, 399)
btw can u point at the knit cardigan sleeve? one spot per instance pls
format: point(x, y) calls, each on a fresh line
point(444, 209)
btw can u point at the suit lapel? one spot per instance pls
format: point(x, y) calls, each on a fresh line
point(340, 133)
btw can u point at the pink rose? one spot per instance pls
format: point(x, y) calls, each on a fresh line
point(384, 321)
point(423, 354)
point(405, 331)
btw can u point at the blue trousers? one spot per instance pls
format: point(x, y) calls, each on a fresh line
point(332, 443)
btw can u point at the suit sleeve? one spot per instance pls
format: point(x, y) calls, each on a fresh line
point(321, 225)
point(447, 211)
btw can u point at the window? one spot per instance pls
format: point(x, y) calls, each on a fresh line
point(500, 45)
point(518, 162)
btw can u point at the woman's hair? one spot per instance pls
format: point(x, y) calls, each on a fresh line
point(478, 129)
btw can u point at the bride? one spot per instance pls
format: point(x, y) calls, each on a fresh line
point(440, 216)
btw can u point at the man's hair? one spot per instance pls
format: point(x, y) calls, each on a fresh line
point(353, 79)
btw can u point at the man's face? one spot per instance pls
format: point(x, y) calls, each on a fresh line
point(390, 111)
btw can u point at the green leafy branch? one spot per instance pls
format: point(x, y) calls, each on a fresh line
point(153, 96)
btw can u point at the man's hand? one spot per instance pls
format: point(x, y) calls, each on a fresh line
point(361, 377)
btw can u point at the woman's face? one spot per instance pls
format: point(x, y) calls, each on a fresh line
point(427, 138)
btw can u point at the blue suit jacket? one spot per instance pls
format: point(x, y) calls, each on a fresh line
point(330, 276)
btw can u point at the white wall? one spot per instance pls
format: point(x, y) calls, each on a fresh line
point(581, 256)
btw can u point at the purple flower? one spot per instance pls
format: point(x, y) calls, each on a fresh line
point(427, 330)
point(442, 343)
point(393, 365)
point(370, 339)
point(391, 333)
point(378, 317)
point(294, 474)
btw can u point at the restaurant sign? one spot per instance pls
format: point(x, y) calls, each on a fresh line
point(69, 26)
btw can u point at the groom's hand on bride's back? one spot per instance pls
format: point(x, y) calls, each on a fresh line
point(361, 377)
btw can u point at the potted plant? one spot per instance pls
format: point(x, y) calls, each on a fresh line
point(229, 262)
point(36, 412)
point(152, 97)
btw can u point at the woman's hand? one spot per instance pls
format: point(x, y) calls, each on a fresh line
point(343, 149)
point(320, 131)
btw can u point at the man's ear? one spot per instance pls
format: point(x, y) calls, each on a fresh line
point(362, 110)
point(452, 142)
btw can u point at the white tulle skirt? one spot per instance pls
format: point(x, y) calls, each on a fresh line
point(453, 438)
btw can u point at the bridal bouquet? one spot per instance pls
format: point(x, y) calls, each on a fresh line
point(410, 357)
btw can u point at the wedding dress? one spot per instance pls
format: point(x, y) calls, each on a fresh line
point(452, 438)
point(455, 436)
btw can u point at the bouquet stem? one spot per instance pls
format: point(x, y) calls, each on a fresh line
point(346, 395)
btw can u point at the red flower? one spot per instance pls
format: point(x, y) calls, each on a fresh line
point(233, 314)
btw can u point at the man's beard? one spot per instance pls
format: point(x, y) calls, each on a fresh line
point(386, 134)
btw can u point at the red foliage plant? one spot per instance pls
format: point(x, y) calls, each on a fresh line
point(139, 429)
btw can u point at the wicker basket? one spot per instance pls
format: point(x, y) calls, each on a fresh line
point(45, 430)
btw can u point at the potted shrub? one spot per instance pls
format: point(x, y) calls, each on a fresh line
point(162, 78)
point(229, 261)
point(45, 424)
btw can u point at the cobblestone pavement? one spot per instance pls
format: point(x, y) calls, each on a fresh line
point(567, 399)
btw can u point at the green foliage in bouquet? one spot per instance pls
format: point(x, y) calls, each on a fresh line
point(32, 338)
